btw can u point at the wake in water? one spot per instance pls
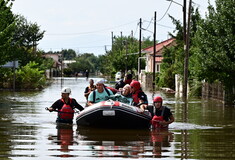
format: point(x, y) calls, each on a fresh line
point(189, 126)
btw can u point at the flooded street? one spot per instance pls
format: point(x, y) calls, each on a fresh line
point(202, 130)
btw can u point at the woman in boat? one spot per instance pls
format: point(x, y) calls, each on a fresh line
point(139, 97)
point(100, 94)
point(162, 115)
point(65, 107)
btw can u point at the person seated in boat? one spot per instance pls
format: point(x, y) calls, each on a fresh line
point(89, 88)
point(125, 96)
point(112, 89)
point(162, 115)
point(139, 97)
point(100, 94)
point(65, 107)
point(127, 80)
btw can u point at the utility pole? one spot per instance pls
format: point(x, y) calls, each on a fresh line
point(125, 44)
point(140, 35)
point(186, 58)
point(154, 50)
point(184, 22)
point(112, 40)
point(62, 59)
point(132, 34)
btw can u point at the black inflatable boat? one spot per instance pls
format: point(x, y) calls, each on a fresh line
point(113, 114)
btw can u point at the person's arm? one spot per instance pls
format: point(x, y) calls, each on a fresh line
point(54, 106)
point(76, 105)
point(144, 100)
point(86, 93)
point(171, 119)
point(90, 99)
point(89, 103)
point(143, 106)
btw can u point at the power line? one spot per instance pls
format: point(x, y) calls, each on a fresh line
point(165, 12)
point(96, 31)
point(160, 25)
point(149, 23)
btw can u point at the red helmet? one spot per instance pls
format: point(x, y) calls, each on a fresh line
point(157, 99)
point(135, 84)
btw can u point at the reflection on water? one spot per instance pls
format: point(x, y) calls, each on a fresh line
point(63, 138)
point(203, 130)
point(125, 143)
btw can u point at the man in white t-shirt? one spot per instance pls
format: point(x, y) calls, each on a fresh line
point(100, 94)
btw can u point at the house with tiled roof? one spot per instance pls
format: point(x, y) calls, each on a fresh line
point(158, 56)
point(145, 79)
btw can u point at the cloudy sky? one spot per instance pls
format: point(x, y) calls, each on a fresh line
point(86, 25)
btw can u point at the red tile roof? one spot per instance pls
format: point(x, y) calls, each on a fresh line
point(159, 46)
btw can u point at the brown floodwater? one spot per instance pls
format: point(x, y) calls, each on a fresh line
point(203, 129)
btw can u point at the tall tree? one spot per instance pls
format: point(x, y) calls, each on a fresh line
point(68, 54)
point(86, 61)
point(26, 38)
point(7, 29)
point(123, 55)
point(215, 45)
point(173, 62)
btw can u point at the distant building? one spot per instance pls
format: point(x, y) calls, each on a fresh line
point(55, 57)
point(66, 62)
point(55, 71)
point(158, 58)
point(147, 79)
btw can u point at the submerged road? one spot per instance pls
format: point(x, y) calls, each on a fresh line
point(203, 130)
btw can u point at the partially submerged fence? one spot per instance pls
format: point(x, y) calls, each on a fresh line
point(213, 91)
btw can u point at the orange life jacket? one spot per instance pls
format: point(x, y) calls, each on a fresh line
point(66, 112)
point(156, 119)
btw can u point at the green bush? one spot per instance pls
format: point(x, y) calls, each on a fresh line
point(30, 77)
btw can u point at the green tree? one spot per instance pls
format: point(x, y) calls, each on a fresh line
point(30, 77)
point(173, 62)
point(7, 29)
point(86, 61)
point(121, 56)
point(214, 56)
point(26, 38)
point(167, 74)
point(68, 54)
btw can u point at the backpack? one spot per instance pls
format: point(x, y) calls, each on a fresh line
point(94, 94)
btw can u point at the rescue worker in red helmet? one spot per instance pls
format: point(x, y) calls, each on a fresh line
point(139, 97)
point(162, 115)
point(65, 107)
